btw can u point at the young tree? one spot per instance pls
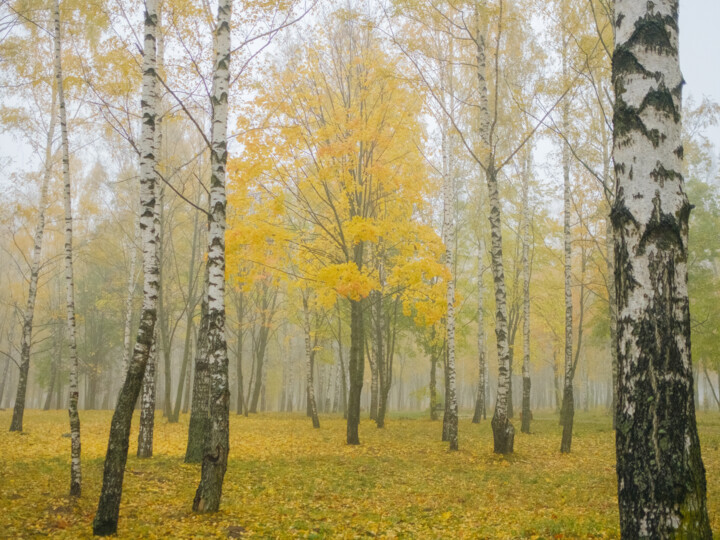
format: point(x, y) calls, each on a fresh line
point(661, 477)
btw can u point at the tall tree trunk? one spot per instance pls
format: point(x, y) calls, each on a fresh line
point(238, 360)
point(106, 518)
point(503, 430)
point(449, 240)
point(19, 409)
point(372, 360)
point(149, 387)
point(309, 355)
point(343, 375)
point(661, 477)
point(379, 354)
point(357, 363)
point(433, 387)
point(481, 399)
point(214, 464)
point(526, 413)
point(147, 405)
point(567, 410)
point(74, 417)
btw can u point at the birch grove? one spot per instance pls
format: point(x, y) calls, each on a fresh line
point(342, 217)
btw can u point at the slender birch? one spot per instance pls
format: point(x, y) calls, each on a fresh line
point(451, 429)
point(567, 410)
point(75, 470)
point(19, 409)
point(481, 398)
point(214, 463)
point(526, 412)
point(309, 356)
point(661, 477)
point(106, 518)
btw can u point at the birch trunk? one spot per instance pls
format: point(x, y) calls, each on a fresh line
point(451, 420)
point(149, 386)
point(309, 355)
point(106, 518)
point(75, 469)
point(567, 410)
point(661, 477)
point(526, 413)
point(503, 430)
point(147, 405)
point(481, 399)
point(19, 409)
point(214, 464)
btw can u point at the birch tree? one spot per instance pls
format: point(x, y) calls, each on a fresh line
point(27, 329)
point(214, 463)
point(661, 477)
point(75, 471)
point(106, 518)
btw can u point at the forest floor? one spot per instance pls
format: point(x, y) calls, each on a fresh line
point(286, 480)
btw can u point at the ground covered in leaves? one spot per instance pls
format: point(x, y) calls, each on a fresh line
point(287, 480)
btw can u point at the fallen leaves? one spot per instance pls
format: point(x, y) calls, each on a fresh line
point(286, 480)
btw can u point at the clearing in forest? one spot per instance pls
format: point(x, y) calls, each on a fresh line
point(287, 480)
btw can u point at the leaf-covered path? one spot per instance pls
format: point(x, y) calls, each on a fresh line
point(286, 480)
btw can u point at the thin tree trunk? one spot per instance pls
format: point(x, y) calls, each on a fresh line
point(503, 430)
point(449, 241)
point(433, 387)
point(661, 477)
point(480, 399)
point(567, 411)
point(309, 356)
point(19, 409)
point(238, 360)
point(214, 464)
point(75, 468)
point(106, 518)
point(526, 413)
point(357, 364)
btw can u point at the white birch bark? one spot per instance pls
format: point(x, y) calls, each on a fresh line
point(214, 464)
point(75, 470)
point(106, 518)
point(661, 477)
point(568, 406)
point(526, 413)
point(309, 384)
point(449, 241)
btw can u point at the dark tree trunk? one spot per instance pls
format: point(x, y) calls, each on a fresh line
point(357, 369)
point(433, 387)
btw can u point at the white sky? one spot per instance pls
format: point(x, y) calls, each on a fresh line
point(699, 52)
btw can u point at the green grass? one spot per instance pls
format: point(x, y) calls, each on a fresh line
point(285, 480)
